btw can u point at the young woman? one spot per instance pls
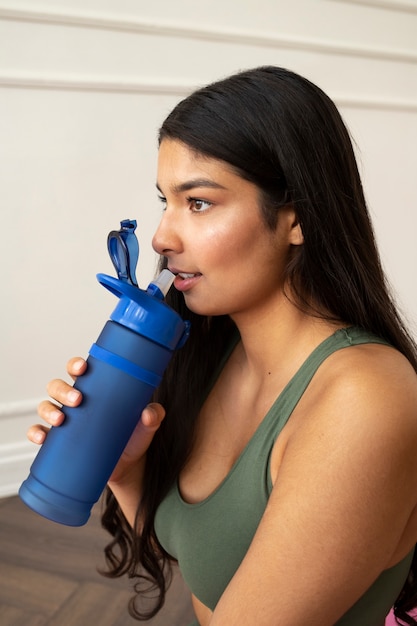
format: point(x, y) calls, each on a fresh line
point(278, 462)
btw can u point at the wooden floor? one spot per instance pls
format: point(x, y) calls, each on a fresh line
point(48, 576)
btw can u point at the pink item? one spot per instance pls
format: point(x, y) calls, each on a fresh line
point(390, 619)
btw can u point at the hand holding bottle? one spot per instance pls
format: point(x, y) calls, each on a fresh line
point(63, 393)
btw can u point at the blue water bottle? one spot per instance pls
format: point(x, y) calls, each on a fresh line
point(125, 365)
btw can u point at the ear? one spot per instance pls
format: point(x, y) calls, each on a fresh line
point(296, 237)
point(293, 226)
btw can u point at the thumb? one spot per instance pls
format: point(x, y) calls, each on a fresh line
point(143, 434)
point(152, 416)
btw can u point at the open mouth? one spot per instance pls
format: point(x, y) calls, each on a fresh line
point(184, 281)
point(187, 275)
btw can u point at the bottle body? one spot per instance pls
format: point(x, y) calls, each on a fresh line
point(73, 466)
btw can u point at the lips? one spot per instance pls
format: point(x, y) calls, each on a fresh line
point(182, 274)
point(185, 280)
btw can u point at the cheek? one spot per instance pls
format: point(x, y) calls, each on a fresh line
point(216, 246)
point(254, 250)
point(231, 243)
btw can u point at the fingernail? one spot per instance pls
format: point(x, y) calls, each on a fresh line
point(78, 364)
point(55, 416)
point(38, 437)
point(152, 410)
point(73, 396)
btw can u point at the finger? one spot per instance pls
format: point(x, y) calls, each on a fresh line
point(76, 367)
point(152, 416)
point(37, 433)
point(62, 392)
point(143, 434)
point(51, 413)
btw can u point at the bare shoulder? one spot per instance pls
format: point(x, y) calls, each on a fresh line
point(363, 398)
point(374, 378)
point(362, 406)
point(374, 358)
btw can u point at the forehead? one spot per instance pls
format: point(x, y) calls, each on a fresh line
point(177, 163)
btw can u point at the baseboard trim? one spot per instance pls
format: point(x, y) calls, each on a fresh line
point(17, 453)
point(15, 461)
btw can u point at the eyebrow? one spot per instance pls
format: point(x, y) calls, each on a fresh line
point(193, 184)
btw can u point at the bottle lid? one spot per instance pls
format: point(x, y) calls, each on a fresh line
point(123, 248)
point(144, 312)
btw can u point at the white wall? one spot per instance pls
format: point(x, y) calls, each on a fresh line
point(84, 85)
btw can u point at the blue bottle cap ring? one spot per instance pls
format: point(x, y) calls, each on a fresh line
point(145, 314)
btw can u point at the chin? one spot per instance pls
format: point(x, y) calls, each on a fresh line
point(204, 308)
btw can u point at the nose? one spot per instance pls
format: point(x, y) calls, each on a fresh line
point(166, 239)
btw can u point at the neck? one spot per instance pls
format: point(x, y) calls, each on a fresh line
point(279, 337)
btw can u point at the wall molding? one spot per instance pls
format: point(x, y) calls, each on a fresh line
point(116, 84)
point(19, 408)
point(390, 5)
point(377, 104)
point(101, 21)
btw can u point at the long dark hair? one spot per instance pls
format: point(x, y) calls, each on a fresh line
point(281, 132)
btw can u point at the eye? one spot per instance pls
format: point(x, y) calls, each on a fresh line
point(163, 201)
point(198, 205)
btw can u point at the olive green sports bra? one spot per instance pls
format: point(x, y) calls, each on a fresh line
point(209, 539)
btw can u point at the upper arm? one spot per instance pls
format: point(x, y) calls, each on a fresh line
point(345, 489)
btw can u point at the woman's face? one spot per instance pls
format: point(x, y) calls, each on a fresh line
point(225, 258)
